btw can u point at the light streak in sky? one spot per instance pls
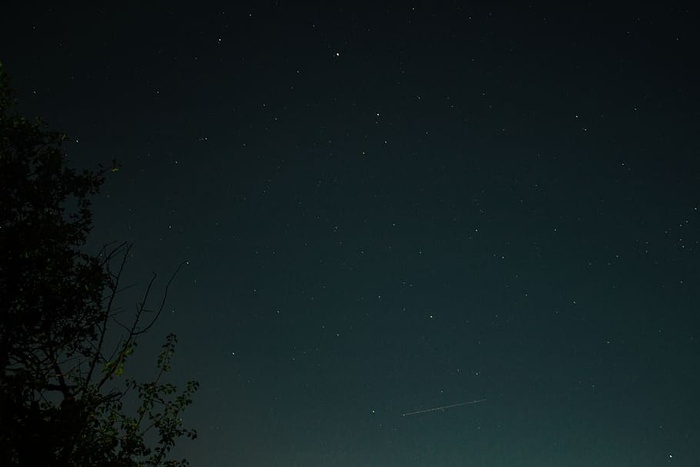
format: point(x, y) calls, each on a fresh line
point(442, 407)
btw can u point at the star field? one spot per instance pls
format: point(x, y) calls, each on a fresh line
point(391, 208)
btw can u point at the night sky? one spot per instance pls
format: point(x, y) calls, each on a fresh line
point(388, 208)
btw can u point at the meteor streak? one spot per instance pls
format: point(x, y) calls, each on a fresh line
point(442, 407)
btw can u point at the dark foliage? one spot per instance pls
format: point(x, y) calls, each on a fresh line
point(62, 390)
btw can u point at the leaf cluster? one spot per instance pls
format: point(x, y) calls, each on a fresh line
point(63, 347)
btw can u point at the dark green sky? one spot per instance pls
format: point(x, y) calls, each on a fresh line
point(393, 207)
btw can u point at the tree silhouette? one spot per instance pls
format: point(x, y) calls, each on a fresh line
point(64, 400)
